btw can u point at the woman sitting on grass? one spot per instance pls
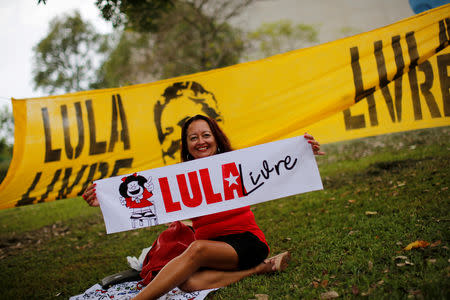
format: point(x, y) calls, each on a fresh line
point(228, 245)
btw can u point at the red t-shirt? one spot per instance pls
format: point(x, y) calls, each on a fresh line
point(233, 221)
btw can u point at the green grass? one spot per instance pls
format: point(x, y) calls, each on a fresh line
point(59, 249)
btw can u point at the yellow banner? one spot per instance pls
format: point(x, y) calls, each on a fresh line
point(419, 99)
point(391, 79)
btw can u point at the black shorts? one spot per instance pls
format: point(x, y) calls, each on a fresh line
point(250, 250)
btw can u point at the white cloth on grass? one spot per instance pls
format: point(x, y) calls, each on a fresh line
point(137, 263)
point(127, 290)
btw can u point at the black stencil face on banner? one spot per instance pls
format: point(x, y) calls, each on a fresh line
point(184, 100)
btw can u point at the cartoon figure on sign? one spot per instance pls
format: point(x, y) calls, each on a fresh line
point(136, 192)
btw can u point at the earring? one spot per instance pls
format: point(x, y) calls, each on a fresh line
point(218, 149)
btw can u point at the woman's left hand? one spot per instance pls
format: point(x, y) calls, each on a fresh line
point(315, 145)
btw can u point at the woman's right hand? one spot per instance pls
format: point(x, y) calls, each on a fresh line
point(315, 145)
point(90, 196)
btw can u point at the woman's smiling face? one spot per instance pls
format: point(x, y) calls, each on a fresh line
point(200, 139)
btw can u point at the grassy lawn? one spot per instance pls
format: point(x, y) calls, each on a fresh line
point(380, 194)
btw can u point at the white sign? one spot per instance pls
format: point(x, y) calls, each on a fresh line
point(208, 185)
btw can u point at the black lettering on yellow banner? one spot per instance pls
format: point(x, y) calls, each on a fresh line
point(444, 34)
point(95, 147)
point(394, 104)
point(118, 111)
point(66, 188)
point(26, 199)
point(382, 75)
point(66, 126)
point(360, 92)
point(443, 61)
point(400, 63)
point(91, 174)
point(426, 68)
point(103, 169)
point(50, 154)
point(357, 122)
point(412, 74)
point(121, 164)
point(425, 87)
point(51, 186)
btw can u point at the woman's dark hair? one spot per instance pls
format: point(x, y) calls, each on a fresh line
point(223, 144)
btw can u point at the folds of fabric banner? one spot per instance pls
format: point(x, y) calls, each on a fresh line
point(390, 79)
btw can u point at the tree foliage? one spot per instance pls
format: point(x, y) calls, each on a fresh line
point(138, 15)
point(6, 139)
point(6, 127)
point(279, 37)
point(119, 68)
point(68, 57)
point(192, 36)
point(157, 39)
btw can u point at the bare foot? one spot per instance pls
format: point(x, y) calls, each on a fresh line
point(281, 260)
point(276, 263)
point(267, 266)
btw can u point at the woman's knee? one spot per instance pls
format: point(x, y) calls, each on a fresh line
point(197, 250)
